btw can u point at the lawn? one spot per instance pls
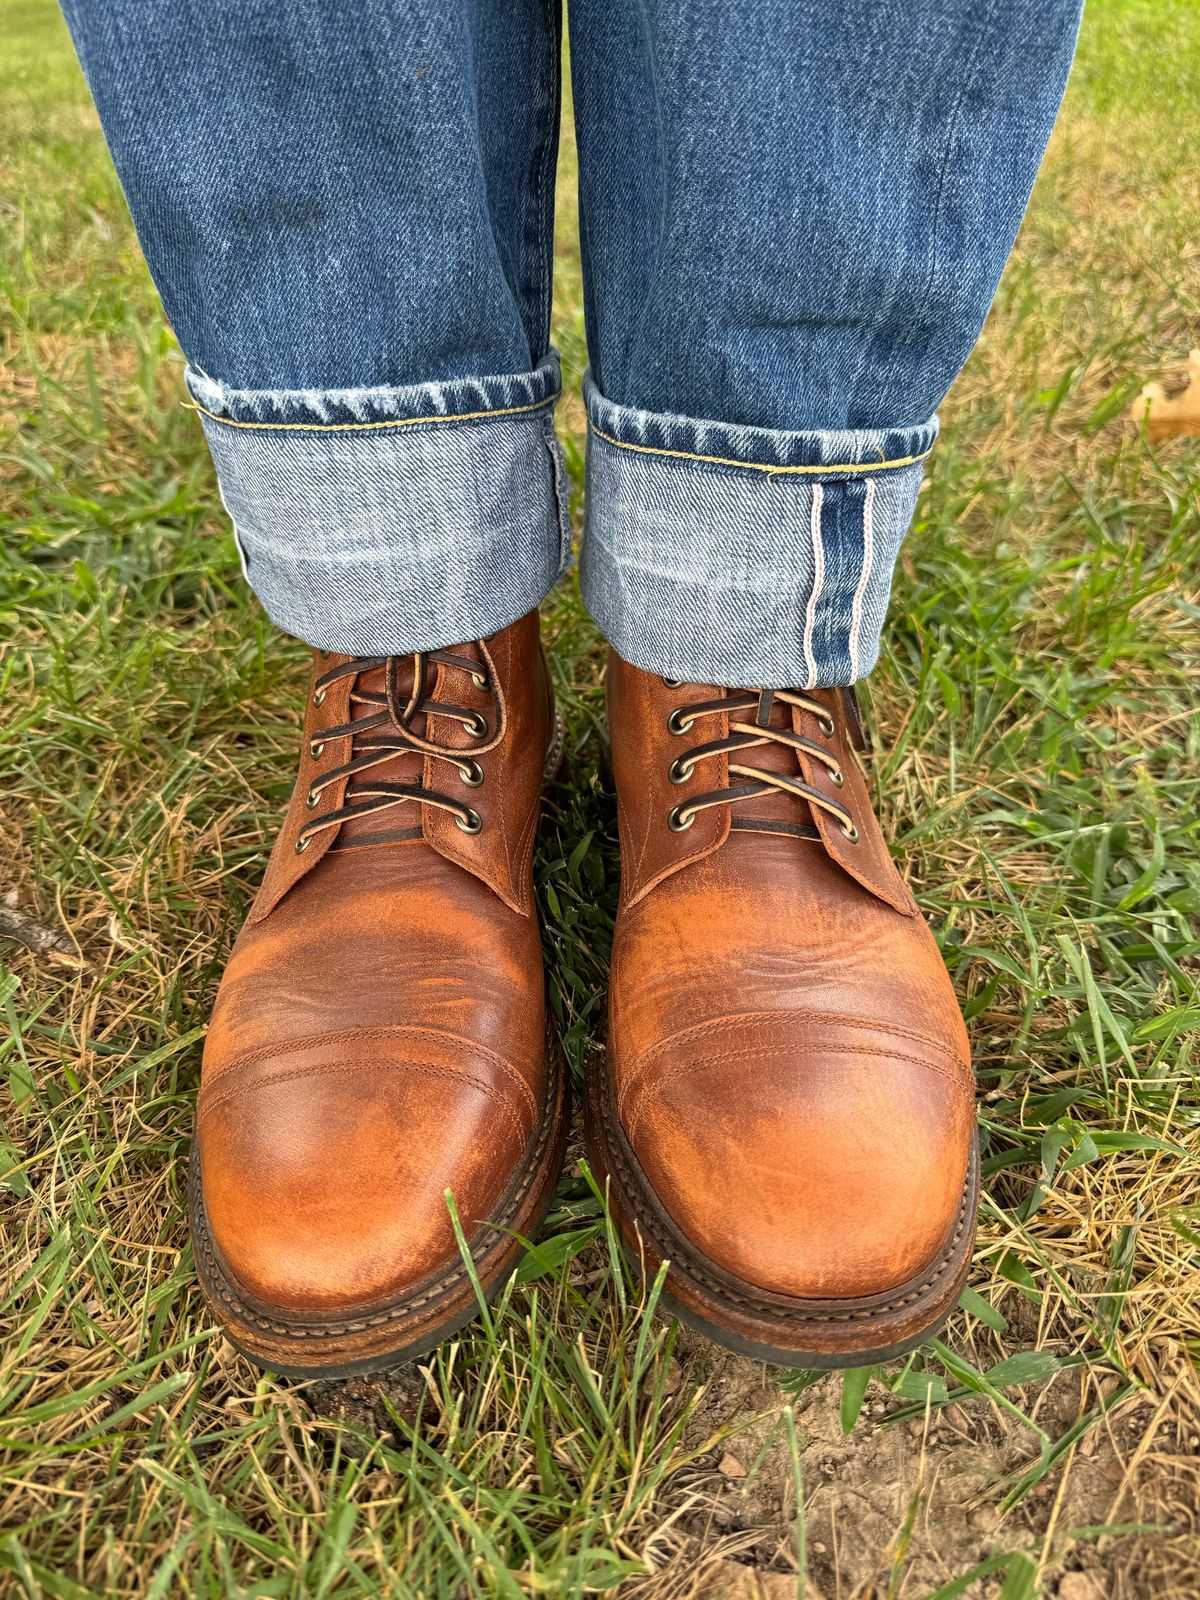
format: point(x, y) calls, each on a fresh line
point(1037, 760)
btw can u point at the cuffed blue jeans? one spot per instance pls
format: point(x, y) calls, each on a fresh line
point(794, 214)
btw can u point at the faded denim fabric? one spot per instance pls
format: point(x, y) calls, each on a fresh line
point(794, 214)
point(794, 217)
point(377, 520)
point(744, 555)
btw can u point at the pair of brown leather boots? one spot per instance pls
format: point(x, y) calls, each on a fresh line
point(786, 1115)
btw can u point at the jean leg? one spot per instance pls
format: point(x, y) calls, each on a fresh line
point(347, 206)
point(794, 214)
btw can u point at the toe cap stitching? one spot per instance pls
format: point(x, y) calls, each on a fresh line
point(340, 1036)
point(208, 1107)
point(789, 1018)
point(640, 1067)
point(645, 1091)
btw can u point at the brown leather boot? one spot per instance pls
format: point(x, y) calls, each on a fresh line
point(787, 1115)
point(380, 1033)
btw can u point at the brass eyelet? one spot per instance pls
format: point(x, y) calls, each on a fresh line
point(827, 726)
point(313, 799)
point(303, 842)
point(318, 697)
point(677, 822)
point(479, 679)
point(677, 722)
point(478, 727)
point(679, 771)
point(851, 832)
point(672, 683)
point(316, 749)
point(473, 776)
point(837, 778)
point(471, 823)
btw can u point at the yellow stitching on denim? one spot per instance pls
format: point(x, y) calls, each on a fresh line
point(760, 466)
point(394, 422)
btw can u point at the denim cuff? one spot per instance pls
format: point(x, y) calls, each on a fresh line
point(379, 521)
point(744, 557)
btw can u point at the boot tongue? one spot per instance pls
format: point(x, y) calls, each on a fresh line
point(774, 811)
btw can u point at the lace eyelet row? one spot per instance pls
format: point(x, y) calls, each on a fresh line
point(682, 718)
point(381, 748)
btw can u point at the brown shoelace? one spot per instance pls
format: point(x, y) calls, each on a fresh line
point(747, 735)
point(388, 731)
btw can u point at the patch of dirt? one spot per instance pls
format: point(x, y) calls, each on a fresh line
point(371, 1404)
point(896, 1510)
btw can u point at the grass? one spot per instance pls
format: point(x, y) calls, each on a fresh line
point(1037, 762)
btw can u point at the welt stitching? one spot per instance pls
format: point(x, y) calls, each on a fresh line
point(685, 1069)
point(211, 1106)
point(359, 427)
point(762, 466)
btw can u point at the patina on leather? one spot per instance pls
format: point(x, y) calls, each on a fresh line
point(789, 1077)
point(379, 1036)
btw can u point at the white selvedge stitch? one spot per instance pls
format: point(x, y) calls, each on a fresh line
point(810, 618)
point(863, 579)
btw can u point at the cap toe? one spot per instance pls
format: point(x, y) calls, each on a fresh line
point(813, 1170)
point(325, 1180)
